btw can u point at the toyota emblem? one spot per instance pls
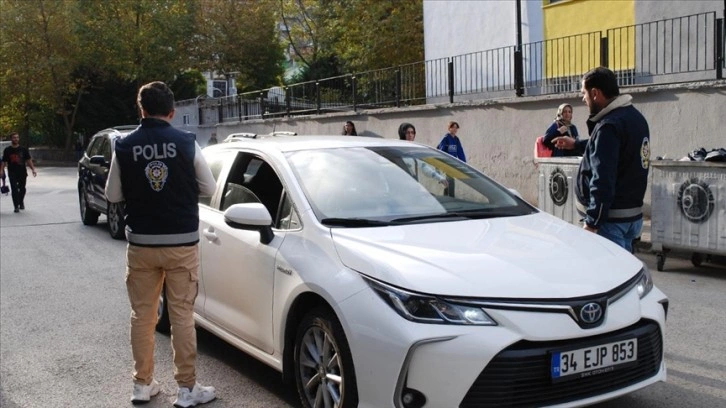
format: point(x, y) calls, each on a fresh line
point(591, 313)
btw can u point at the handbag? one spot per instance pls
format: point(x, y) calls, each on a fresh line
point(540, 150)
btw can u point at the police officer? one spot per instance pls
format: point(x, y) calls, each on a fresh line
point(613, 173)
point(160, 172)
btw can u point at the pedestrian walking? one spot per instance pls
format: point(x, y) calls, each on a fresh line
point(613, 173)
point(451, 144)
point(16, 159)
point(159, 171)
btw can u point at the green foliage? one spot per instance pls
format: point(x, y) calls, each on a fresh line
point(74, 66)
point(189, 85)
point(320, 68)
point(361, 35)
point(239, 37)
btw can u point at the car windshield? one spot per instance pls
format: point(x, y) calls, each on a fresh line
point(386, 185)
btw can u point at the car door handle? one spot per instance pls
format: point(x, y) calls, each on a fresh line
point(209, 234)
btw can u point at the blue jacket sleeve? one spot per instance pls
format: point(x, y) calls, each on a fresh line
point(460, 152)
point(604, 161)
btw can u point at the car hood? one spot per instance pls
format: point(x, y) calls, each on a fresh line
point(535, 256)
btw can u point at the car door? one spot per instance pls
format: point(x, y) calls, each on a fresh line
point(101, 172)
point(237, 269)
point(97, 173)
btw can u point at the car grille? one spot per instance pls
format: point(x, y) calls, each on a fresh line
point(519, 376)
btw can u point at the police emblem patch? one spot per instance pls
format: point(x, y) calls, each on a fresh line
point(156, 172)
point(645, 153)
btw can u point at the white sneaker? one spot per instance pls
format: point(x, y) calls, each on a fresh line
point(197, 395)
point(143, 393)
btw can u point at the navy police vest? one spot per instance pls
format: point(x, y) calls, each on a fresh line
point(159, 184)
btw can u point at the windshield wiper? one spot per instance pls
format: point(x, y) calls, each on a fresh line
point(354, 222)
point(444, 216)
point(469, 215)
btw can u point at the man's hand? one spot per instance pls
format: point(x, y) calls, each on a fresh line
point(564, 142)
point(589, 228)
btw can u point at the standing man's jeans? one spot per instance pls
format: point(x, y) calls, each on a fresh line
point(622, 233)
point(148, 268)
point(17, 187)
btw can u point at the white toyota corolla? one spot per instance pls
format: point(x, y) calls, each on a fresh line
point(381, 273)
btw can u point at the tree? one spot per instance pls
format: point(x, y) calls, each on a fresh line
point(142, 40)
point(309, 31)
point(37, 51)
point(375, 34)
point(352, 35)
point(240, 37)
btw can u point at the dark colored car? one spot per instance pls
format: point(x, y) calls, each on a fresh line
point(92, 174)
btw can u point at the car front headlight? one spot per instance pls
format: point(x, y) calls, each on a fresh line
point(645, 282)
point(429, 309)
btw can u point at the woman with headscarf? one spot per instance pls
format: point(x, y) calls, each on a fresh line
point(562, 126)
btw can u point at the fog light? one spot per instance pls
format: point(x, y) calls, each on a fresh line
point(412, 398)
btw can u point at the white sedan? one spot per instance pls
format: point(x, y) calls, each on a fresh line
point(380, 273)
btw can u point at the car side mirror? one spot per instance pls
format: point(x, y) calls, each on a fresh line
point(99, 160)
point(251, 216)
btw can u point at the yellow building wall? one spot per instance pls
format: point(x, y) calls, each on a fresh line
point(572, 43)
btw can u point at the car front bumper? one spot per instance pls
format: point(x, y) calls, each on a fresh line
point(504, 365)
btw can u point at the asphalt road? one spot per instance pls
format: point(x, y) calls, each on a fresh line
point(64, 321)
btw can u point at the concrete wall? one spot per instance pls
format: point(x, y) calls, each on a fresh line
point(498, 136)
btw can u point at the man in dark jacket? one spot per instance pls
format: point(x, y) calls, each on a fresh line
point(613, 173)
point(159, 171)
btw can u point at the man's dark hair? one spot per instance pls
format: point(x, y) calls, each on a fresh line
point(602, 79)
point(156, 99)
point(403, 128)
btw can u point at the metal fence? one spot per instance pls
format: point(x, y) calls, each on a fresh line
point(671, 50)
point(663, 51)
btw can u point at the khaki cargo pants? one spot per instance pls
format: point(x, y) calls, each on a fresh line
point(147, 268)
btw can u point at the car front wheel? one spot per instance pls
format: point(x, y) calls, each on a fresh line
point(89, 216)
point(324, 371)
point(116, 224)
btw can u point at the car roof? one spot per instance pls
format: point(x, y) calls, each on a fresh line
point(116, 131)
point(295, 143)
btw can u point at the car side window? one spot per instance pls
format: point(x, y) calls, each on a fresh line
point(216, 164)
point(288, 219)
point(106, 149)
point(252, 179)
point(95, 146)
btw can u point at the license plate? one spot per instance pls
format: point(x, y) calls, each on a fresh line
point(589, 361)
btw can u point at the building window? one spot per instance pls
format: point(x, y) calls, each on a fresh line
point(187, 119)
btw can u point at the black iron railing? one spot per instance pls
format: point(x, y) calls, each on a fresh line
point(655, 52)
point(672, 50)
